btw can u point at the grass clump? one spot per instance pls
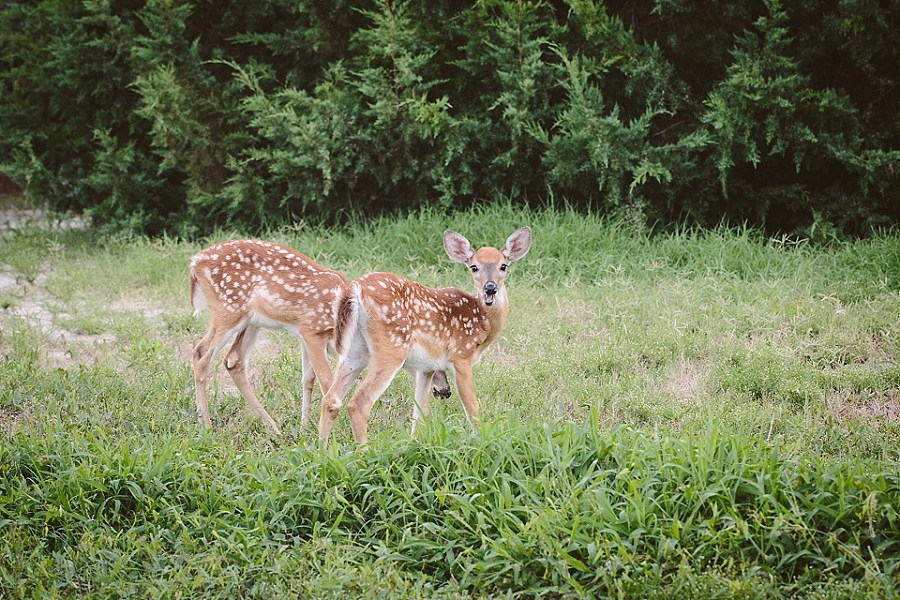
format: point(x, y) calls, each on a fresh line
point(558, 508)
point(666, 415)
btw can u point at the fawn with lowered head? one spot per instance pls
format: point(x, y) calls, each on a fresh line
point(250, 285)
point(385, 322)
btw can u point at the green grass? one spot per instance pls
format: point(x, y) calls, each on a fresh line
point(667, 415)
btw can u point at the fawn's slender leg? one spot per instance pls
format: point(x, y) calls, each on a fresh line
point(466, 389)
point(381, 373)
point(237, 362)
point(308, 382)
point(348, 370)
point(420, 410)
point(203, 353)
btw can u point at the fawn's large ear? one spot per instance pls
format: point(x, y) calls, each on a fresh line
point(517, 244)
point(458, 248)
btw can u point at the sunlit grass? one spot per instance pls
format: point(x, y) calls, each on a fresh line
point(679, 414)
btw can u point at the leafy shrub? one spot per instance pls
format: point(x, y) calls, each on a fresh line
point(182, 117)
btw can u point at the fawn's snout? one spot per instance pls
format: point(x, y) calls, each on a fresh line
point(490, 292)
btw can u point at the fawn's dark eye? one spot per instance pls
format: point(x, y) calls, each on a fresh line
point(474, 268)
point(503, 267)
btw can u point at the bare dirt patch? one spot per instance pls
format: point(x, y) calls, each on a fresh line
point(34, 307)
point(8, 279)
point(149, 311)
point(13, 420)
point(684, 383)
point(875, 409)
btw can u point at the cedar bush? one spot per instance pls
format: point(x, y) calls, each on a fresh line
point(180, 117)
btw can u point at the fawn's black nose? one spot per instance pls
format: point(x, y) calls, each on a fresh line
point(490, 290)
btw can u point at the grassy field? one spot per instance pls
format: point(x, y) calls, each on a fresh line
point(666, 415)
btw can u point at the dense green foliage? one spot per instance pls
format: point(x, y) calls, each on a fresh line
point(563, 511)
point(182, 116)
point(693, 414)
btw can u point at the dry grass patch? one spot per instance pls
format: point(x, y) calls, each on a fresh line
point(874, 408)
